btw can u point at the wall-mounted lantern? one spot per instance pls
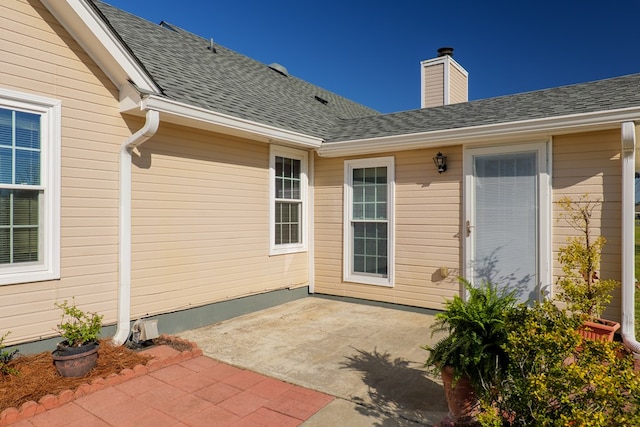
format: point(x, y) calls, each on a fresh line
point(440, 160)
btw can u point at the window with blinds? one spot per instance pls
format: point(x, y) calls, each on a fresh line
point(288, 176)
point(369, 185)
point(30, 137)
point(20, 190)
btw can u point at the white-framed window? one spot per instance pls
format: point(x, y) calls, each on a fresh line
point(369, 220)
point(288, 178)
point(29, 187)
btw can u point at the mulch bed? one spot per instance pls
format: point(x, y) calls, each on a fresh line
point(37, 377)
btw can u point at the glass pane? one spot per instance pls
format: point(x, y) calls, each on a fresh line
point(5, 207)
point(358, 264)
point(381, 193)
point(370, 211)
point(6, 166)
point(5, 246)
point(27, 167)
point(27, 130)
point(381, 211)
point(358, 194)
point(25, 245)
point(25, 208)
point(370, 175)
point(358, 211)
point(293, 232)
point(279, 167)
point(506, 221)
point(278, 234)
point(381, 230)
point(358, 246)
point(6, 126)
point(295, 190)
point(358, 176)
point(370, 193)
point(287, 172)
point(279, 188)
point(358, 229)
point(381, 175)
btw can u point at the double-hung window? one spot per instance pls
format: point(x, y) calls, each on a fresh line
point(368, 223)
point(29, 181)
point(288, 205)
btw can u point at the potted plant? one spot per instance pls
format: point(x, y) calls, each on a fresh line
point(78, 353)
point(471, 358)
point(582, 289)
point(556, 377)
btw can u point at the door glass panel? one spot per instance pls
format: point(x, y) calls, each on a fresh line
point(505, 248)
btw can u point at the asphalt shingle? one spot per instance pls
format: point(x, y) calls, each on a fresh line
point(187, 70)
point(182, 64)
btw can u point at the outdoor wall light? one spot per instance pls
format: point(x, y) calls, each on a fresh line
point(440, 160)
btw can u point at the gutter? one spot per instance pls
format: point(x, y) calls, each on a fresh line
point(124, 284)
point(499, 132)
point(202, 118)
point(628, 154)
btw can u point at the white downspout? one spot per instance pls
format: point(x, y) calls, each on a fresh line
point(628, 236)
point(124, 285)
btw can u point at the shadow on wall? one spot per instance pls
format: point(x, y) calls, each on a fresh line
point(400, 395)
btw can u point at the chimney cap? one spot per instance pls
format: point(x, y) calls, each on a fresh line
point(445, 51)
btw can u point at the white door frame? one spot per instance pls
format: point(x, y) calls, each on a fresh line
point(543, 149)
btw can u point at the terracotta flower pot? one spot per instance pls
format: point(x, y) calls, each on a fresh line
point(75, 361)
point(461, 399)
point(600, 330)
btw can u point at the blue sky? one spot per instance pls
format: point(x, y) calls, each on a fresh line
point(370, 51)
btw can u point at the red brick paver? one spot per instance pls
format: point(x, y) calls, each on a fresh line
point(177, 389)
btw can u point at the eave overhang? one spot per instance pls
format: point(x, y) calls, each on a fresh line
point(500, 132)
point(200, 118)
point(95, 37)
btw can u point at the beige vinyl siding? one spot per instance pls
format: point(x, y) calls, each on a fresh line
point(433, 95)
point(427, 225)
point(201, 223)
point(39, 57)
point(590, 163)
point(457, 86)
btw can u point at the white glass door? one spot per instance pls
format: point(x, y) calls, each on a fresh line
point(504, 217)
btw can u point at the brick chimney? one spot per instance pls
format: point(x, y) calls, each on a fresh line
point(444, 81)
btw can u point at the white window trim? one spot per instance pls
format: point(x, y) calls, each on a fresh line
point(51, 111)
point(303, 156)
point(349, 166)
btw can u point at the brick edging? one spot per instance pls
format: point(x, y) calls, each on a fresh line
point(31, 408)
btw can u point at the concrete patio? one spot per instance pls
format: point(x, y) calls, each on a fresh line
point(368, 357)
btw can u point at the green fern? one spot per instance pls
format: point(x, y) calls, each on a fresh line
point(476, 332)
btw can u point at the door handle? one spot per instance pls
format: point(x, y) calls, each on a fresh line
point(468, 228)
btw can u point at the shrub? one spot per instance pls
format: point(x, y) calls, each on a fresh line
point(5, 358)
point(557, 378)
point(76, 326)
point(582, 289)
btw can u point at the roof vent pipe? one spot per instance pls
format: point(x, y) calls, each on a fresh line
point(445, 51)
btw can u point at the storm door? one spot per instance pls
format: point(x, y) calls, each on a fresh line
point(506, 218)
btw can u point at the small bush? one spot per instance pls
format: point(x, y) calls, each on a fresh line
point(5, 358)
point(557, 378)
point(76, 326)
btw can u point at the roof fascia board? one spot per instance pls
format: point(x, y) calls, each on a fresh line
point(96, 38)
point(200, 118)
point(501, 131)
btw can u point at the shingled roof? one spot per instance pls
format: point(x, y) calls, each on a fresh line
point(602, 95)
point(187, 70)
